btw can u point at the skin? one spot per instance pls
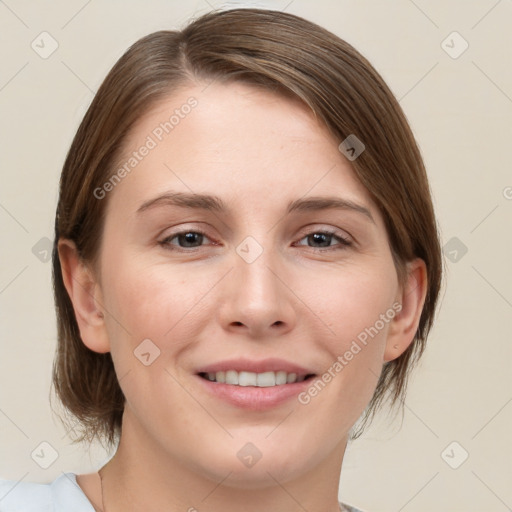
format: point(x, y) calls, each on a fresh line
point(257, 152)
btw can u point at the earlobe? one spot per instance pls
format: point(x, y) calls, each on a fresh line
point(411, 299)
point(85, 295)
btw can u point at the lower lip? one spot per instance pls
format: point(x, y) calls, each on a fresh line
point(252, 397)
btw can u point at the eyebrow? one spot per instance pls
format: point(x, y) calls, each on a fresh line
point(216, 204)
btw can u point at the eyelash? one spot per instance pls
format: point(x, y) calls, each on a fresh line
point(343, 242)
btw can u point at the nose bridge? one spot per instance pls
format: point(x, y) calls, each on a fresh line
point(257, 296)
point(254, 268)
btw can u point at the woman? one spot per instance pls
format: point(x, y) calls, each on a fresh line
point(246, 262)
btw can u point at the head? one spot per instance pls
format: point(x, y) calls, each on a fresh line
point(259, 109)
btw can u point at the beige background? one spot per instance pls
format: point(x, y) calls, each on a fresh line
point(461, 112)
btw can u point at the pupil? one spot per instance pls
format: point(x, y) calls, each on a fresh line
point(320, 237)
point(190, 238)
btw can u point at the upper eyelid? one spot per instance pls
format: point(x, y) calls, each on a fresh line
point(333, 231)
point(184, 231)
point(304, 231)
point(320, 228)
point(344, 240)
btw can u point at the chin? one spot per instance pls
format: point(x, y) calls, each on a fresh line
point(260, 476)
point(250, 468)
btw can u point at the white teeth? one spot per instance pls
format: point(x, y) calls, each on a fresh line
point(291, 377)
point(280, 378)
point(261, 380)
point(267, 379)
point(232, 377)
point(247, 379)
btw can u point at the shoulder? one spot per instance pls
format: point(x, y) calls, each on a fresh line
point(61, 495)
point(348, 508)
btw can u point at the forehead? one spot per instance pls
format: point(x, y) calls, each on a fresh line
point(234, 140)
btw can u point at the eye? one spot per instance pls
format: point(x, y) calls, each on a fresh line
point(324, 238)
point(193, 239)
point(184, 240)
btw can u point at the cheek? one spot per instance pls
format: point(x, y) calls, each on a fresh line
point(352, 302)
point(164, 303)
point(357, 308)
point(150, 323)
point(153, 301)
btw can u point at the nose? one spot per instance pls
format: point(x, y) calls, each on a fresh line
point(256, 299)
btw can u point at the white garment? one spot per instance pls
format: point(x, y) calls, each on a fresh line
point(62, 495)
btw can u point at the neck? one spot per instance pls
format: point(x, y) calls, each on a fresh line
point(144, 477)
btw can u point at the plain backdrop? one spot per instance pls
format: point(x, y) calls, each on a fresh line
point(449, 64)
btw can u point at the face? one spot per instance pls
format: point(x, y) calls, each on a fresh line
point(265, 278)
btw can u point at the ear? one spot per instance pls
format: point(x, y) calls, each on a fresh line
point(411, 298)
point(85, 295)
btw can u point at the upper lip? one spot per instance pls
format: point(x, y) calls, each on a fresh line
point(262, 366)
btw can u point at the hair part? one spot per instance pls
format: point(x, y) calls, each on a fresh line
point(282, 53)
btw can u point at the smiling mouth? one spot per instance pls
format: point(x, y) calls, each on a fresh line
point(260, 380)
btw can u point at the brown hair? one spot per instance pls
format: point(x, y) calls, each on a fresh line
point(270, 49)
